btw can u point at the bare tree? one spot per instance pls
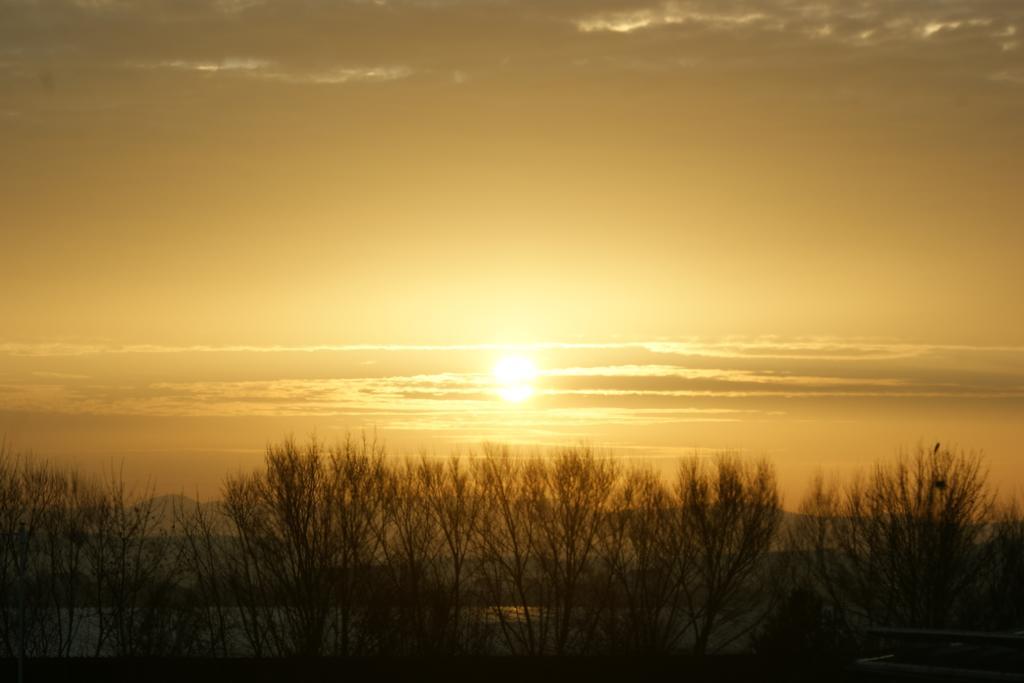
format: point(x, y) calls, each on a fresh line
point(1002, 590)
point(432, 512)
point(905, 545)
point(453, 498)
point(539, 543)
point(336, 550)
point(204, 559)
point(570, 496)
point(307, 536)
point(731, 514)
point(133, 568)
point(643, 548)
point(27, 491)
point(508, 552)
point(67, 523)
point(288, 544)
point(358, 476)
point(410, 541)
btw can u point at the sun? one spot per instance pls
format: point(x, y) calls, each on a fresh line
point(514, 376)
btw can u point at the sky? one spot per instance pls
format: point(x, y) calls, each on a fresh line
point(782, 228)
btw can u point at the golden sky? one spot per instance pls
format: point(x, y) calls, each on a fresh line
point(784, 227)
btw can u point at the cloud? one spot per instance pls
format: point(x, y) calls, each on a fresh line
point(933, 27)
point(59, 375)
point(340, 75)
point(719, 375)
point(1013, 77)
point(230, 64)
point(871, 23)
point(236, 6)
point(268, 70)
point(769, 347)
point(449, 387)
point(330, 43)
point(667, 14)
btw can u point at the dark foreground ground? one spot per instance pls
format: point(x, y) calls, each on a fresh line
point(486, 670)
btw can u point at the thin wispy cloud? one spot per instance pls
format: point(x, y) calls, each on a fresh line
point(377, 42)
point(408, 388)
point(270, 71)
point(668, 14)
point(854, 24)
point(1009, 76)
point(825, 348)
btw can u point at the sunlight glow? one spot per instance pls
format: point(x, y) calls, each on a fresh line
point(514, 375)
